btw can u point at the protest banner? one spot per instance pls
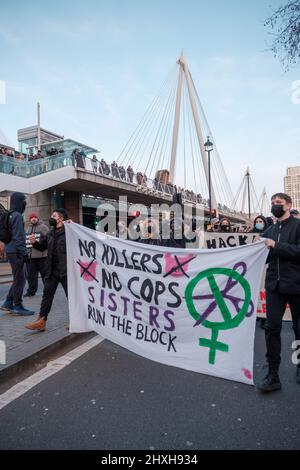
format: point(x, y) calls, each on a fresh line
point(214, 240)
point(192, 309)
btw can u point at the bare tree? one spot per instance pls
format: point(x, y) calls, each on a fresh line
point(284, 24)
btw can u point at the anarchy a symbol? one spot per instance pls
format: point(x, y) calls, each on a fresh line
point(230, 321)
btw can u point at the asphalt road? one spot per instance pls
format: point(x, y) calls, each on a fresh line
point(112, 399)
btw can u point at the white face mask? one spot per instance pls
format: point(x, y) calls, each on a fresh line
point(259, 226)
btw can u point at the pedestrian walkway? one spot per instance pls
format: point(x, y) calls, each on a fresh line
point(21, 343)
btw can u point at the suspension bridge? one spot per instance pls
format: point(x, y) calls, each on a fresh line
point(167, 150)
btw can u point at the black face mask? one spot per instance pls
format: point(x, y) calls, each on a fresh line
point(23, 206)
point(52, 222)
point(277, 210)
point(224, 228)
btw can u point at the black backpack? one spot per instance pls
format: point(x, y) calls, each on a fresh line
point(5, 233)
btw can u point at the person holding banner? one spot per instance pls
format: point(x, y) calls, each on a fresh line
point(282, 284)
point(56, 272)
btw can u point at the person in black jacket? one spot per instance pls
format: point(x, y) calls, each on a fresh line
point(282, 284)
point(56, 268)
point(17, 256)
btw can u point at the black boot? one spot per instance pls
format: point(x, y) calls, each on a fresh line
point(263, 323)
point(271, 382)
point(298, 375)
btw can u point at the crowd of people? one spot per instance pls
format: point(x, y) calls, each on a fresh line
point(79, 158)
point(7, 152)
point(45, 253)
point(33, 250)
point(140, 178)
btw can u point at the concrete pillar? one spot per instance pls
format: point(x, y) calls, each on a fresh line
point(73, 206)
point(40, 203)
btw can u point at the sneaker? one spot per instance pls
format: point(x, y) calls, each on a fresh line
point(21, 310)
point(270, 383)
point(298, 375)
point(39, 324)
point(7, 306)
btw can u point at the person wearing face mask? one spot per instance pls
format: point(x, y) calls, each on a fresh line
point(225, 225)
point(282, 284)
point(56, 268)
point(17, 256)
point(260, 224)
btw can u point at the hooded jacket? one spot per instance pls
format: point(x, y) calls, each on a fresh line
point(283, 273)
point(17, 245)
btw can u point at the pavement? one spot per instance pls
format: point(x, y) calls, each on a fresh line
point(113, 400)
point(24, 346)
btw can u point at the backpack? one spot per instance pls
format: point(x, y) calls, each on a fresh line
point(5, 233)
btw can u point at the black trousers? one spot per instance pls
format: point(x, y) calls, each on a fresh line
point(276, 303)
point(15, 292)
point(50, 286)
point(36, 266)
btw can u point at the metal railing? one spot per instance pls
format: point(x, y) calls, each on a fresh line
point(29, 169)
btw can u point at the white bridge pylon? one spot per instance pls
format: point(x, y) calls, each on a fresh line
point(246, 199)
point(171, 135)
point(184, 71)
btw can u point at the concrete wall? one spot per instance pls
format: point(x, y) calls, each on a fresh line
point(43, 203)
point(73, 206)
point(40, 203)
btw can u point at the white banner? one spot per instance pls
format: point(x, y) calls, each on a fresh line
point(227, 240)
point(214, 240)
point(192, 309)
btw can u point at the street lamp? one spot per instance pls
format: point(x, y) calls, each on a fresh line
point(208, 148)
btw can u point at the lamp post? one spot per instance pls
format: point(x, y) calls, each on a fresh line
point(208, 148)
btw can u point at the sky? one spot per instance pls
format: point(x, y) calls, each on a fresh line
point(95, 66)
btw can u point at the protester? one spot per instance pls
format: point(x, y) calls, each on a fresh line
point(150, 234)
point(260, 224)
point(37, 264)
point(295, 213)
point(282, 284)
point(225, 225)
point(121, 231)
point(56, 268)
point(270, 220)
point(177, 238)
point(17, 256)
point(214, 226)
